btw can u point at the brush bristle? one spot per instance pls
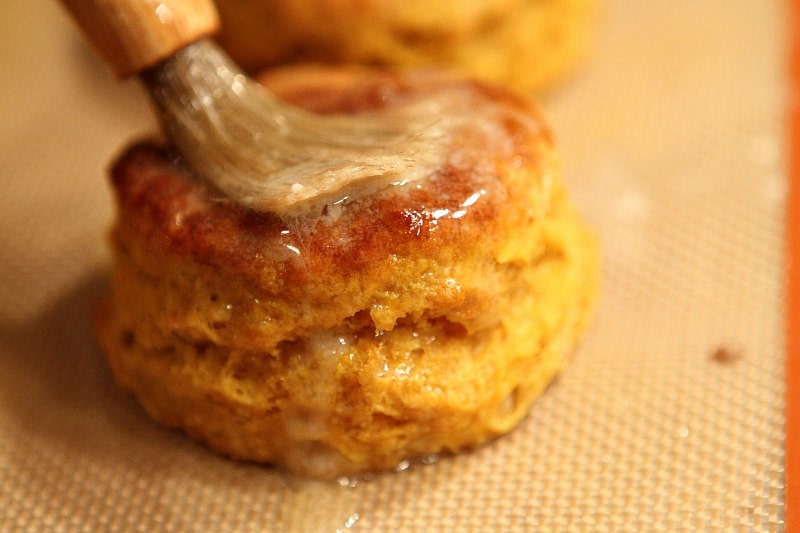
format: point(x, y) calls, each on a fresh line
point(270, 156)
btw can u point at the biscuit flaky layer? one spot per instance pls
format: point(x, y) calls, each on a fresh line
point(412, 321)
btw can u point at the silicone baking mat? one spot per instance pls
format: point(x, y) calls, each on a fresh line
point(670, 418)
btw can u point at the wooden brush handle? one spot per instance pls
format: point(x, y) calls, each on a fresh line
point(132, 35)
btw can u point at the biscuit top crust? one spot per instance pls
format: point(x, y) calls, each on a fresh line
point(493, 182)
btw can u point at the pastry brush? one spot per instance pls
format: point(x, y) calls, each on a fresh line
point(230, 132)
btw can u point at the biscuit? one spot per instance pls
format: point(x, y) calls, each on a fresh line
point(527, 44)
point(418, 319)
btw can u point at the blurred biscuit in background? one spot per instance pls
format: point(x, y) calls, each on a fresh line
point(525, 44)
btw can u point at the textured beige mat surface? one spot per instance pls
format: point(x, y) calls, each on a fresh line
point(670, 417)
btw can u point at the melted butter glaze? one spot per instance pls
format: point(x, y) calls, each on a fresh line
point(469, 187)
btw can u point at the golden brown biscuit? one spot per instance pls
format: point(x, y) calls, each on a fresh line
point(420, 319)
point(527, 44)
